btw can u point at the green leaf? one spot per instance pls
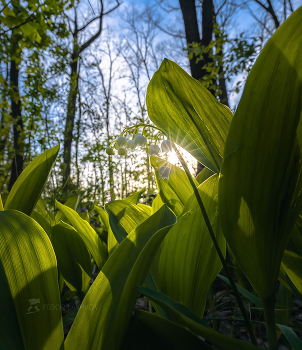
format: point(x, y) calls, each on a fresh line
point(70, 317)
point(124, 216)
point(135, 197)
point(73, 258)
point(260, 194)
point(70, 203)
point(29, 185)
point(292, 257)
point(204, 175)
point(188, 261)
point(244, 292)
point(283, 305)
point(1, 204)
point(180, 105)
point(156, 204)
point(103, 215)
point(29, 265)
point(31, 32)
point(102, 301)
point(177, 190)
point(10, 332)
point(179, 313)
point(176, 336)
point(137, 276)
point(94, 244)
point(146, 208)
point(291, 337)
point(42, 221)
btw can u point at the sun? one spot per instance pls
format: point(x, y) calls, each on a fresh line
point(172, 158)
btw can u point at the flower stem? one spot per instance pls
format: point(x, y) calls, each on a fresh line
point(224, 264)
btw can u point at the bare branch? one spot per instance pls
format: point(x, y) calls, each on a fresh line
point(291, 6)
point(97, 34)
point(5, 6)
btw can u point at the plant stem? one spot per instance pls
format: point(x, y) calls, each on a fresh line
point(269, 314)
point(224, 264)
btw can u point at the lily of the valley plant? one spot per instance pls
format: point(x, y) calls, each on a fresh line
point(246, 203)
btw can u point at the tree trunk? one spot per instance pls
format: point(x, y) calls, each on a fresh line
point(189, 14)
point(17, 163)
point(71, 110)
point(222, 84)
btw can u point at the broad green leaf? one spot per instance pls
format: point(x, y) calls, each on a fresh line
point(29, 185)
point(70, 203)
point(146, 208)
point(292, 257)
point(176, 336)
point(159, 297)
point(124, 216)
point(177, 190)
point(179, 313)
point(42, 221)
point(103, 217)
point(10, 332)
point(157, 203)
point(204, 175)
point(102, 301)
point(180, 105)
point(94, 244)
point(73, 258)
point(287, 282)
point(188, 261)
point(253, 298)
point(29, 264)
point(260, 183)
point(291, 337)
point(70, 317)
point(137, 276)
point(1, 204)
point(85, 216)
point(135, 197)
point(40, 207)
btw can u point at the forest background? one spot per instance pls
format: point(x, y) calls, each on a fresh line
point(76, 73)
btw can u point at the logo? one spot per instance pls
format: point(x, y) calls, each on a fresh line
point(33, 307)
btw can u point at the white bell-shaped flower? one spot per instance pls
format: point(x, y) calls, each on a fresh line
point(153, 150)
point(140, 140)
point(166, 146)
point(130, 144)
point(165, 172)
point(121, 141)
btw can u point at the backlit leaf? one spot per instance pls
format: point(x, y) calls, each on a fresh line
point(260, 184)
point(29, 264)
point(188, 261)
point(179, 104)
point(29, 185)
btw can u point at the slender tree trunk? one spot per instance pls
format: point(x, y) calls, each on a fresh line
point(222, 84)
point(71, 110)
point(17, 163)
point(4, 133)
point(110, 165)
point(77, 140)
